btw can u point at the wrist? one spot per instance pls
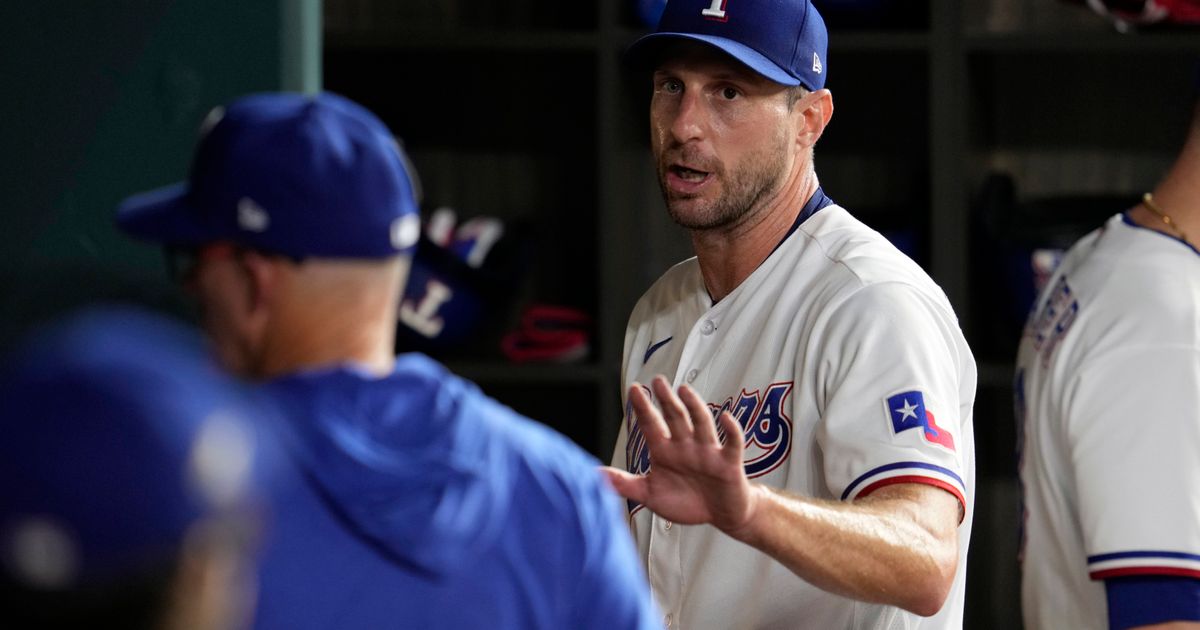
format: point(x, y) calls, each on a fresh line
point(745, 529)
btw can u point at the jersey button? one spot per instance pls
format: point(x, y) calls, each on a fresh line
point(708, 327)
point(667, 524)
point(667, 619)
point(692, 374)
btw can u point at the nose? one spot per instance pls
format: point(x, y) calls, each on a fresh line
point(689, 119)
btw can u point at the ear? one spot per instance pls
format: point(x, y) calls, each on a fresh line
point(263, 276)
point(815, 111)
point(403, 267)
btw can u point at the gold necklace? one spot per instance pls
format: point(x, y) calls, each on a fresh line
point(1148, 201)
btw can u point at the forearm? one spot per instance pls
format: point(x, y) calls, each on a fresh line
point(890, 548)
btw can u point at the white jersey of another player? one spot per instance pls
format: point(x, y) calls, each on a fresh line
point(846, 367)
point(1108, 382)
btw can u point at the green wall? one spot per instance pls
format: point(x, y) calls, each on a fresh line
point(102, 99)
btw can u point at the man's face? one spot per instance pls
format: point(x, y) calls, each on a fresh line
point(222, 285)
point(723, 137)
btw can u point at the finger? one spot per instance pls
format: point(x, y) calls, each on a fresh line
point(704, 424)
point(648, 417)
point(673, 411)
point(628, 485)
point(735, 446)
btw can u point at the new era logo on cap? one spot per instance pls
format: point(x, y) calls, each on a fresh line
point(251, 217)
point(406, 230)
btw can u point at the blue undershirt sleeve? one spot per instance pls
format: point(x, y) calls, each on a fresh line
point(1148, 599)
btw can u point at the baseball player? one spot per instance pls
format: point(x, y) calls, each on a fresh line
point(834, 488)
point(1108, 394)
point(427, 504)
point(133, 479)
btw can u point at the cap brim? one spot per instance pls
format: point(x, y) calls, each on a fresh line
point(641, 52)
point(163, 215)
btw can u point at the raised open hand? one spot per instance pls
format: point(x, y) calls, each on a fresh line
point(693, 477)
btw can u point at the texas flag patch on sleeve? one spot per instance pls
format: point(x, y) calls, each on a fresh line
point(907, 411)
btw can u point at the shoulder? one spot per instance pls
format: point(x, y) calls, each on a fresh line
point(460, 400)
point(864, 256)
point(865, 274)
point(1123, 274)
point(484, 428)
point(883, 300)
point(352, 395)
point(422, 415)
point(899, 320)
point(422, 404)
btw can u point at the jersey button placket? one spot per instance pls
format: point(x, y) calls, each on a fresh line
point(706, 329)
point(665, 567)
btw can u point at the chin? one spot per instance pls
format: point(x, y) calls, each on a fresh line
point(695, 214)
point(693, 222)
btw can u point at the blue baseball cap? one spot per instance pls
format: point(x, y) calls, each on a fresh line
point(291, 174)
point(120, 433)
point(783, 40)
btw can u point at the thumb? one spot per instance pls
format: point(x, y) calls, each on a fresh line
point(626, 484)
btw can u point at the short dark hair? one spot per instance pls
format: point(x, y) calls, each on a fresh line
point(795, 93)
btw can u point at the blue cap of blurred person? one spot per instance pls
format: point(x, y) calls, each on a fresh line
point(292, 174)
point(132, 476)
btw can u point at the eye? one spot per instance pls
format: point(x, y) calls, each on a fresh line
point(729, 93)
point(670, 86)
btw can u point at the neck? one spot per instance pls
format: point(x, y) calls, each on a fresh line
point(1178, 195)
point(301, 348)
point(331, 318)
point(728, 255)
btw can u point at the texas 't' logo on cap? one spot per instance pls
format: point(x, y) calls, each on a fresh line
point(715, 11)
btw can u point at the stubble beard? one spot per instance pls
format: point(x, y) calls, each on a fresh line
point(742, 190)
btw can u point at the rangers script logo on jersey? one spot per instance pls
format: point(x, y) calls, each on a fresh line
point(1053, 320)
point(766, 429)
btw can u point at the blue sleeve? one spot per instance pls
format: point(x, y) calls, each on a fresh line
point(612, 592)
point(1148, 599)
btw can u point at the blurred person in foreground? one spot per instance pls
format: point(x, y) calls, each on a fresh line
point(427, 504)
point(1108, 399)
point(130, 474)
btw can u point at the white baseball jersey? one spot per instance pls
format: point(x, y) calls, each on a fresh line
point(1108, 382)
point(845, 365)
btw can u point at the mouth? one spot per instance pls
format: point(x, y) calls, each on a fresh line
point(688, 174)
point(683, 179)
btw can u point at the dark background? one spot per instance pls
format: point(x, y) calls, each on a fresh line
point(969, 133)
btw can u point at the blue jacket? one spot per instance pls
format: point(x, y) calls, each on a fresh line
point(425, 504)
